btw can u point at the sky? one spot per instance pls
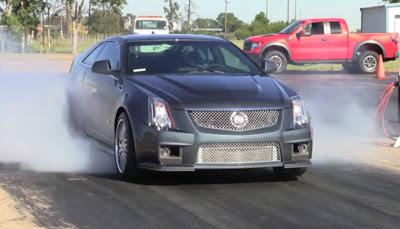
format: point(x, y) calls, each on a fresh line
point(245, 10)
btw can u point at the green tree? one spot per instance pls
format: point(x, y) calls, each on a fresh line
point(260, 25)
point(233, 23)
point(104, 25)
point(205, 23)
point(21, 17)
point(110, 5)
point(172, 12)
point(392, 1)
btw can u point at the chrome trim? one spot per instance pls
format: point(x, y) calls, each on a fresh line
point(235, 109)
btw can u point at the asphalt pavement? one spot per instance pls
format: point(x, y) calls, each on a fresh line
point(345, 188)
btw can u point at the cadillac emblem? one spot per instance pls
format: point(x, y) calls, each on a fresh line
point(239, 120)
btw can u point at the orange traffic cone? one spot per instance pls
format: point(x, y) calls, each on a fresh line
point(380, 74)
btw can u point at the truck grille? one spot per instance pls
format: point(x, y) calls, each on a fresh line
point(236, 120)
point(238, 153)
point(247, 46)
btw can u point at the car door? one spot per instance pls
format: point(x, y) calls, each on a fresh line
point(100, 96)
point(335, 41)
point(312, 45)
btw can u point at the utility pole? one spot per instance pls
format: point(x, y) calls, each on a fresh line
point(189, 14)
point(266, 10)
point(226, 16)
point(288, 11)
point(295, 7)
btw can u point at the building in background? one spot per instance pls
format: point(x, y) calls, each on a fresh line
point(381, 19)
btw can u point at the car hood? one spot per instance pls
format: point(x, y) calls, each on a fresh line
point(187, 92)
point(268, 37)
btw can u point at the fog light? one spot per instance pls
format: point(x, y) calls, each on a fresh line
point(303, 148)
point(165, 152)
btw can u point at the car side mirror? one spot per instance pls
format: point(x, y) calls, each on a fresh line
point(104, 67)
point(268, 66)
point(301, 33)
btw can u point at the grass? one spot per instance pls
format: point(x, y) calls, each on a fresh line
point(58, 47)
point(391, 66)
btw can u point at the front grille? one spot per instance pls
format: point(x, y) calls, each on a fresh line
point(247, 46)
point(225, 120)
point(238, 153)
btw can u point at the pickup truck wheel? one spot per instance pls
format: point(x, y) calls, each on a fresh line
point(368, 62)
point(351, 68)
point(279, 58)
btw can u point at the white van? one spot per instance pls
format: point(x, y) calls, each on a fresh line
point(150, 25)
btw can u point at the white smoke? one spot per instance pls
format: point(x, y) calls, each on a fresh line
point(34, 129)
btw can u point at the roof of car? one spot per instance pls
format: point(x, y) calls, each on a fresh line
point(164, 37)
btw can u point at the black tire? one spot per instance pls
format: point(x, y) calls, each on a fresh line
point(280, 171)
point(279, 58)
point(130, 171)
point(370, 58)
point(351, 68)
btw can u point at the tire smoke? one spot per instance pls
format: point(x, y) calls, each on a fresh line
point(34, 130)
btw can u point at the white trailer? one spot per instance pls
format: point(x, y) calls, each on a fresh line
point(383, 18)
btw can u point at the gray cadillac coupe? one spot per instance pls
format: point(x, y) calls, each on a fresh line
point(186, 103)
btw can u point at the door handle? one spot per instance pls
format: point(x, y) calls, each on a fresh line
point(324, 40)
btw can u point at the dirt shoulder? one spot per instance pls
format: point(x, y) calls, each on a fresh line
point(13, 215)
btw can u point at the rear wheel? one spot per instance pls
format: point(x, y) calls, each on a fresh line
point(350, 68)
point(368, 62)
point(279, 58)
point(280, 171)
point(125, 156)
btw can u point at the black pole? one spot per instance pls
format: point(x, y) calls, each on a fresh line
point(398, 98)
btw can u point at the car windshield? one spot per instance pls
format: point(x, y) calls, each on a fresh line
point(151, 24)
point(181, 57)
point(292, 27)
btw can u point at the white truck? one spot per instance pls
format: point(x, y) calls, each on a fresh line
point(150, 25)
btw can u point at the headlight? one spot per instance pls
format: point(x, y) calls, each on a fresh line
point(300, 116)
point(256, 45)
point(160, 114)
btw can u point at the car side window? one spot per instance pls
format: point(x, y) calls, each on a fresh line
point(91, 58)
point(335, 27)
point(317, 28)
point(112, 53)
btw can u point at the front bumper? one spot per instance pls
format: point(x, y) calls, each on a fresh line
point(149, 142)
point(254, 56)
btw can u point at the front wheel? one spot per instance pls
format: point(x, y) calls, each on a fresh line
point(125, 156)
point(368, 62)
point(279, 58)
point(280, 171)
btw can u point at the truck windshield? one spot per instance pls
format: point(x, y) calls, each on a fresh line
point(292, 27)
point(188, 57)
point(151, 24)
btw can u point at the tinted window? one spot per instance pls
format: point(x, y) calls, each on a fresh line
point(335, 27)
point(180, 57)
point(91, 58)
point(317, 28)
point(112, 53)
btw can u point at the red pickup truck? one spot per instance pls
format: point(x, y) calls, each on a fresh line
point(315, 41)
